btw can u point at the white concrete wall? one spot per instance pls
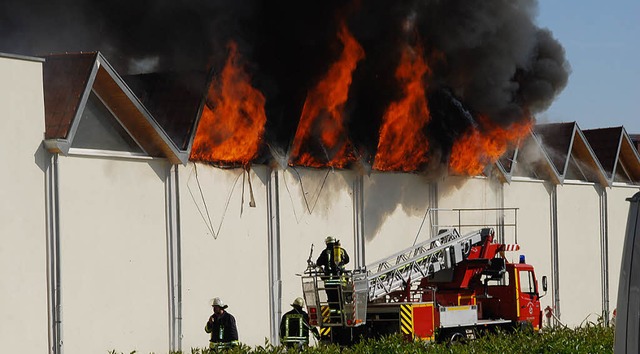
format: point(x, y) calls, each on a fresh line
point(224, 251)
point(473, 193)
point(23, 256)
point(113, 255)
point(534, 229)
point(394, 209)
point(618, 211)
point(579, 253)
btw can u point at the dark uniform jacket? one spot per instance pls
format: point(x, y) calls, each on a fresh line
point(332, 259)
point(294, 326)
point(222, 328)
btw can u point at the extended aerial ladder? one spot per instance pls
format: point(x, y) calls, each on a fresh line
point(381, 278)
point(420, 261)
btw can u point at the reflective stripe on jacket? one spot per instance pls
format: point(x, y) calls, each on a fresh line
point(223, 329)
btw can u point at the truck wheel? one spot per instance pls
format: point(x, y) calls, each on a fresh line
point(457, 336)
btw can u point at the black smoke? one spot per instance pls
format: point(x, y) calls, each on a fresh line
point(490, 55)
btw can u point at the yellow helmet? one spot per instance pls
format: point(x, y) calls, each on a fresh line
point(330, 239)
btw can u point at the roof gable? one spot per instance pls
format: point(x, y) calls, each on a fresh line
point(628, 159)
point(100, 130)
point(68, 84)
point(585, 159)
point(531, 160)
point(66, 79)
point(605, 143)
point(556, 140)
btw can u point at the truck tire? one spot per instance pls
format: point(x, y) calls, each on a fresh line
point(456, 336)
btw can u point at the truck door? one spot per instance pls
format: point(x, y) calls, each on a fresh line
point(528, 299)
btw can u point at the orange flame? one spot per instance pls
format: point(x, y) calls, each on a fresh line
point(232, 122)
point(403, 145)
point(474, 150)
point(323, 112)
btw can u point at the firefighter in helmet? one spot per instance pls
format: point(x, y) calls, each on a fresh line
point(222, 326)
point(332, 261)
point(294, 326)
point(333, 258)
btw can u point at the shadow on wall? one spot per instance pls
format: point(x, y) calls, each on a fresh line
point(314, 191)
point(387, 192)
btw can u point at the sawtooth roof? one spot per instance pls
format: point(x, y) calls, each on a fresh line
point(161, 112)
point(561, 151)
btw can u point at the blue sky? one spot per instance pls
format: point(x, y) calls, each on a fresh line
point(602, 44)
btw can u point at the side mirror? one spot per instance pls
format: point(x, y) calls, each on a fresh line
point(544, 286)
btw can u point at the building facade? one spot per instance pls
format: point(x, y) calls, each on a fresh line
point(114, 240)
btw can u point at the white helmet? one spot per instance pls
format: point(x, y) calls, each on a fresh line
point(330, 239)
point(217, 302)
point(298, 302)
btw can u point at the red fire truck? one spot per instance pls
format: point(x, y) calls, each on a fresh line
point(447, 288)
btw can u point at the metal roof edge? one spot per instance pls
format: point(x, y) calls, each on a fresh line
point(618, 151)
point(617, 154)
point(559, 179)
point(21, 57)
point(527, 179)
point(75, 122)
point(104, 64)
point(183, 156)
point(509, 174)
point(203, 101)
point(57, 146)
point(577, 131)
point(506, 176)
point(627, 138)
point(568, 152)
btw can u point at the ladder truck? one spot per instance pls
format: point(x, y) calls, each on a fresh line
point(450, 287)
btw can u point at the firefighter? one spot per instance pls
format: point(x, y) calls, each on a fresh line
point(332, 260)
point(222, 326)
point(294, 326)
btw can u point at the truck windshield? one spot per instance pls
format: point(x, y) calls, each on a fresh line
point(527, 282)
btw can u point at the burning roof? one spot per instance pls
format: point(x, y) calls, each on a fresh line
point(417, 98)
point(397, 86)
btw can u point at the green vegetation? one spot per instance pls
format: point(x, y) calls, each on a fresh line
point(587, 339)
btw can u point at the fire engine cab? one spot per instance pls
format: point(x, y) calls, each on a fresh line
point(446, 288)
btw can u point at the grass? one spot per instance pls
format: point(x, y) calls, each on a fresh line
point(591, 338)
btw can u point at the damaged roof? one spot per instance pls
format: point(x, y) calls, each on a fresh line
point(529, 159)
point(174, 99)
point(161, 112)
